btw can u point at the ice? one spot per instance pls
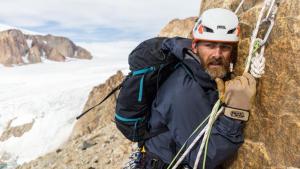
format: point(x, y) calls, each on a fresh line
point(29, 42)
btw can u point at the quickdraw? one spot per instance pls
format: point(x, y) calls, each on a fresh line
point(256, 57)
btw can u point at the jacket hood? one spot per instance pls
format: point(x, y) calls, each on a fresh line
point(177, 46)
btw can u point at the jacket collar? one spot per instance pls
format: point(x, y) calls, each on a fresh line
point(200, 75)
point(181, 48)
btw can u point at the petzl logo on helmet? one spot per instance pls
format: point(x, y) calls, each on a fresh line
point(221, 27)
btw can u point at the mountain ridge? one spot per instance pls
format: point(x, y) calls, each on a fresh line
point(4, 27)
point(17, 48)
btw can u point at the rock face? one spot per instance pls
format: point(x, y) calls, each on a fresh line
point(15, 131)
point(82, 53)
point(178, 27)
point(104, 148)
point(17, 48)
point(12, 47)
point(34, 55)
point(94, 118)
point(272, 135)
point(55, 55)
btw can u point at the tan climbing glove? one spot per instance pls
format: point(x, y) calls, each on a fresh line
point(238, 95)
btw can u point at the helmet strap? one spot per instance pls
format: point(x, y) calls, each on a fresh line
point(231, 67)
point(194, 44)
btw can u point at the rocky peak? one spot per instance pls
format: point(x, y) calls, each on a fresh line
point(178, 27)
point(12, 47)
point(17, 48)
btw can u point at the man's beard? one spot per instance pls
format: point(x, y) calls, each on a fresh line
point(216, 72)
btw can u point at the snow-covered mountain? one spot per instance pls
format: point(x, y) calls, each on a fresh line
point(50, 96)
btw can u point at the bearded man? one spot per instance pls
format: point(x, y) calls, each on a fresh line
point(186, 98)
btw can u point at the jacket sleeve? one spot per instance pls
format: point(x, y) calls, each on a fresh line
point(188, 109)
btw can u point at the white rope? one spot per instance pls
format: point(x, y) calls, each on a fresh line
point(240, 5)
point(271, 4)
point(200, 8)
point(182, 147)
point(211, 121)
point(257, 59)
point(254, 35)
point(258, 64)
point(189, 148)
point(212, 118)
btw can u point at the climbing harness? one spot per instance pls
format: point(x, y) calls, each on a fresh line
point(255, 62)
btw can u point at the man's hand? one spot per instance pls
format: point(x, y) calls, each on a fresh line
point(239, 92)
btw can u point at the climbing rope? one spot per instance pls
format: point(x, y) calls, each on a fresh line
point(257, 45)
point(210, 121)
point(258, 61)
point(255, 61)
point(191, 145)
point(200, 8)
point(239, 6)
point(257, 55)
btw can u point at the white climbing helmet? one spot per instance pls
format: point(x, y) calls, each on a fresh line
point(218, 25)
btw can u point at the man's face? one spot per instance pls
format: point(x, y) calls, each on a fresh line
point(215, 57)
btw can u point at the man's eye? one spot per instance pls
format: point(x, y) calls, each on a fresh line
point(226, 47)
point(209, 45)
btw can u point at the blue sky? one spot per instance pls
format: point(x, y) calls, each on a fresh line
point(96, 20)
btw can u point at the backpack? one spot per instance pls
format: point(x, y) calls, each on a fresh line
point(150, 64)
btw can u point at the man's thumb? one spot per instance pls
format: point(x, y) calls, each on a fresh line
point(221, 88)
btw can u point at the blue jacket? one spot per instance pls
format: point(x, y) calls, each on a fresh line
point(181, 104)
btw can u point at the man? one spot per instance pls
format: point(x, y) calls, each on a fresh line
point(186, 99)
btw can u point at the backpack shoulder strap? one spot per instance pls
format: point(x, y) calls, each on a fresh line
point(106, 97)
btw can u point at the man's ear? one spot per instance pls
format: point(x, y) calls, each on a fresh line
point(194, 48)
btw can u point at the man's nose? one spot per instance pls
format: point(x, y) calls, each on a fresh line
point(217, 53)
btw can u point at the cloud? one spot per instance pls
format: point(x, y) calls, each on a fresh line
point(89, 16)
